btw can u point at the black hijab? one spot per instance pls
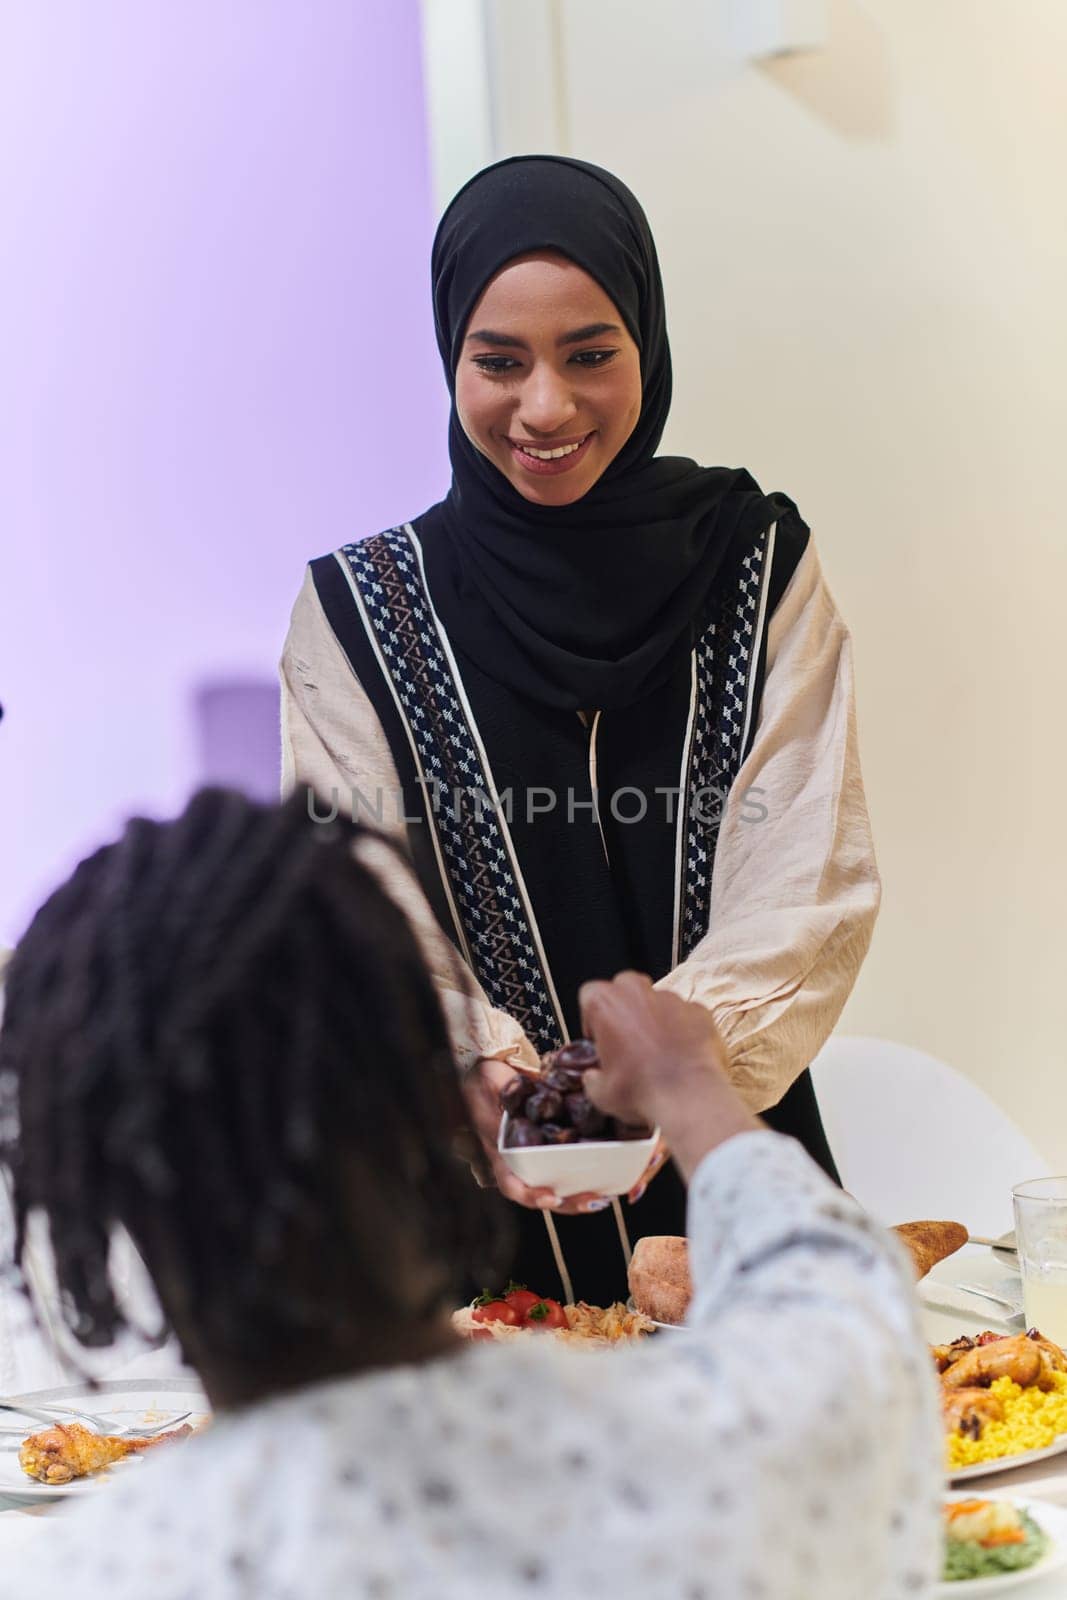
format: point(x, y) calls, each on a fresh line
point(593, 604)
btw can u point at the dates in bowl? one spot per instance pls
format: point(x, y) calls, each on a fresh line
point(553, 1136)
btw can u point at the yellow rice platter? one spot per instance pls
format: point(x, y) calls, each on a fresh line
point(1004, 1402)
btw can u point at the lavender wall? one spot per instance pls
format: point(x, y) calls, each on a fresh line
point(217, 361)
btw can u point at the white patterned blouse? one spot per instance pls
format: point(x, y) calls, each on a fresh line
point(784, 1447)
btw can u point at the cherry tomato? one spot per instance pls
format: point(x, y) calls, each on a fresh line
point(522, 1299)
point(497, 1311)
point(546, 1314)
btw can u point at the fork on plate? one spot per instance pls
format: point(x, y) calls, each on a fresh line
point(98, 1423)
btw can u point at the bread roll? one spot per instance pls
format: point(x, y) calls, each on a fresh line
point(659, 1277)
point(662, 1289)
point(930, 1242)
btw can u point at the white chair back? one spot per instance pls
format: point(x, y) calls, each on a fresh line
point(914, 1139)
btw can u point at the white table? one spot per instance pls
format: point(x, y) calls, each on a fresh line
point(946, 1314)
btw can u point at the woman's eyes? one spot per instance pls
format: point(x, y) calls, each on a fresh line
point(494, 364)
point(501, 366)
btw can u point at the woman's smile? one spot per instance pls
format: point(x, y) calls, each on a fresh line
point(551, 459)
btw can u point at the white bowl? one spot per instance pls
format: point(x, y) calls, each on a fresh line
point(594, 1166)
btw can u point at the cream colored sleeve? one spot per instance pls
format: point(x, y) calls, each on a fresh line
point(333, 742)
point(795, 888)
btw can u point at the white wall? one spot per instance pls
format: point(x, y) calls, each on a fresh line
point(865, 252)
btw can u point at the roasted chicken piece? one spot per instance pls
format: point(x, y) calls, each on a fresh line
point(945, 1354)
point(69, 1450)
point(967, 1411)
point(1056, 1355)
point(1026, 1358)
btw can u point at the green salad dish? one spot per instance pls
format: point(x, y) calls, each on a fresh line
point(968, 1558)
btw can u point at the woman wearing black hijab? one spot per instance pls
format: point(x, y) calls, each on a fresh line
point(604, 694)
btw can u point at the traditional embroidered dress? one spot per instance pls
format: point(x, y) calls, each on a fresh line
point(544, 836)
point(378, 709)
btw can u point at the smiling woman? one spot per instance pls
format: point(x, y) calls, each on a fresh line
point(603, 695)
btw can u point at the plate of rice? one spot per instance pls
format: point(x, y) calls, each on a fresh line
point(992, 1546)
point(1003, 1399)
point(1034, 1426)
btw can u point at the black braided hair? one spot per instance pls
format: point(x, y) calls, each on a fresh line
point(220, 1034)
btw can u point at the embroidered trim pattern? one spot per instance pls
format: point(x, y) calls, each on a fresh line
point(504, 953)
point(504, 956)
point(726, 655)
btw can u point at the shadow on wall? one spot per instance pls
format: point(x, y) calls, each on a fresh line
point(238, 736)
point(847, 85)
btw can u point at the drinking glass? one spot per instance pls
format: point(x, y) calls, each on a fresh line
point(1041, 1239)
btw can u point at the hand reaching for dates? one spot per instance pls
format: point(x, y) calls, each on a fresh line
point(651, 1058)
point(661, 1059)
point(555, 1108)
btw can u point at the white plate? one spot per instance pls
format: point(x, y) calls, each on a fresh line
point(987, 1469)
point(132, 1402)
point(1053, 1519)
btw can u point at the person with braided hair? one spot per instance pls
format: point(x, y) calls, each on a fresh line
point(201, 987)
point(222, 1041)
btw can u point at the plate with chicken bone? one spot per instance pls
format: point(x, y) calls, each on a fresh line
point(553, 1136)
point(43, 1462)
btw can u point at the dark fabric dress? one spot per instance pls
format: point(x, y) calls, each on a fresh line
point(553, 853)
